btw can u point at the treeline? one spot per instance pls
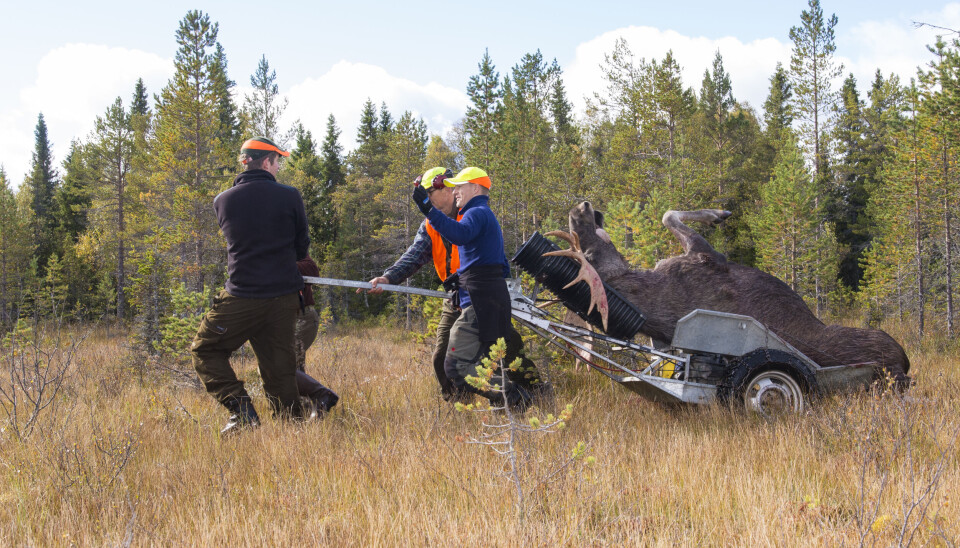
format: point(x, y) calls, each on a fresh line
point(848, 196)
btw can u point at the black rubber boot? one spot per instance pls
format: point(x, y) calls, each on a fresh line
point(323, 398)
point(518, 397)
point(242, 415)
point(458, 396)
point(541, 391)
point(323, 401)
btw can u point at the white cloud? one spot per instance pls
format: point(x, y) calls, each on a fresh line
point(893, 46)
point(346, 86)
point(75, 83)
point(16, 140)
point(748, 64)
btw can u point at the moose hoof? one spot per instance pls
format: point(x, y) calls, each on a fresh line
point(719, 215)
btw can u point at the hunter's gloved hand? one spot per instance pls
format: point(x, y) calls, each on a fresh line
point(422, 200)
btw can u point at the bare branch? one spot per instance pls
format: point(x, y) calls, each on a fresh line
point(920, 25)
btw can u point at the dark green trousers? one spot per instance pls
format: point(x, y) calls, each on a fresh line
point(308, 325)
point(269, 325)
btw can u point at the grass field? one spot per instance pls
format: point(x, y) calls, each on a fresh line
point(127, 453)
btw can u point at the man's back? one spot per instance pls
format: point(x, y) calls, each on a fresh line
point(266, 230)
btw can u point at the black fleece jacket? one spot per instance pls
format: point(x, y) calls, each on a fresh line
point(265, 225)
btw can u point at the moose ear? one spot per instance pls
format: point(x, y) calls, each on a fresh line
point(598, 218)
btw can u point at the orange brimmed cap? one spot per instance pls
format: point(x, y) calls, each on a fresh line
point(258, 147)
point(473, 175)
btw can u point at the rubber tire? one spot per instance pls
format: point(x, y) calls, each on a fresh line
point(748, 366)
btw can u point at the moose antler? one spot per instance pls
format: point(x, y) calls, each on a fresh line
point(598, 295)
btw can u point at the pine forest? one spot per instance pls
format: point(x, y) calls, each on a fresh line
point(845, 190)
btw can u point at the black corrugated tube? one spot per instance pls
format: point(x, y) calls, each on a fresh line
point(623, 319)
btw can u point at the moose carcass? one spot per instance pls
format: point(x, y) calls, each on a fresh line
point(702, 278)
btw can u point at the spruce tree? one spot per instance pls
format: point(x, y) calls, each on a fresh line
point(561, 112)
point(367, 131)
point(331, 157)
point(303, 171)
point(52, 299)
point(303, 156)
point(139, 104)
point(483, 114)
point(73, 196)
point(778, 108)
point(230, 129)
point(778, 126)
point(369, 159)
point(145, 216)
point(386, 121)
point(42, 183)
point(852, 185)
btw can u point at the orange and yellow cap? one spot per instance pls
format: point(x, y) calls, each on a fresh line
point(429, 178)
point(473, 175)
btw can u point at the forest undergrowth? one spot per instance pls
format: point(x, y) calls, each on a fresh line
point(100, 447)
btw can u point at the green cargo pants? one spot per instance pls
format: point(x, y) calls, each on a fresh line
point(466, 350)
point(269, 325)
point(448, 316)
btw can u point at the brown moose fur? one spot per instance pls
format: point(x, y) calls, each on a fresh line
point(703, 278)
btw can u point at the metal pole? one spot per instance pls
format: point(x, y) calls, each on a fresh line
point(385, 287)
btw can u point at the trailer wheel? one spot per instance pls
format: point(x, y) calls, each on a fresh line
point(770, 383)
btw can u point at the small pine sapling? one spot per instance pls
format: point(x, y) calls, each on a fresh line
point(503, 435)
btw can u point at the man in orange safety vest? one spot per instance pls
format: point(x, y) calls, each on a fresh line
point(428, 245)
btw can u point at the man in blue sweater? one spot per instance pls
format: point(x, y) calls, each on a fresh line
point(483, 295)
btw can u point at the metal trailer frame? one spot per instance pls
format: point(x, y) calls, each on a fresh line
point(774, 373)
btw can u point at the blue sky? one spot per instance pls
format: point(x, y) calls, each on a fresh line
point(70, 60)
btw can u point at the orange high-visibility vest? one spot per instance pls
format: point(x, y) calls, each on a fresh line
point(446, 259)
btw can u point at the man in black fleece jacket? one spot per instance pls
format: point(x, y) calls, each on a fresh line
point(265, 226)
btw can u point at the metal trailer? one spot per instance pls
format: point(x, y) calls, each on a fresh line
point(713, 356)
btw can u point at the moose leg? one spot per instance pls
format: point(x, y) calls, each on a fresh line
point(690, 239)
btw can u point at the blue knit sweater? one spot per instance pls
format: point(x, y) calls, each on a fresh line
point(477, 235)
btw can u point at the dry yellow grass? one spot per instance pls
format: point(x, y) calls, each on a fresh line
point(132, 456)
